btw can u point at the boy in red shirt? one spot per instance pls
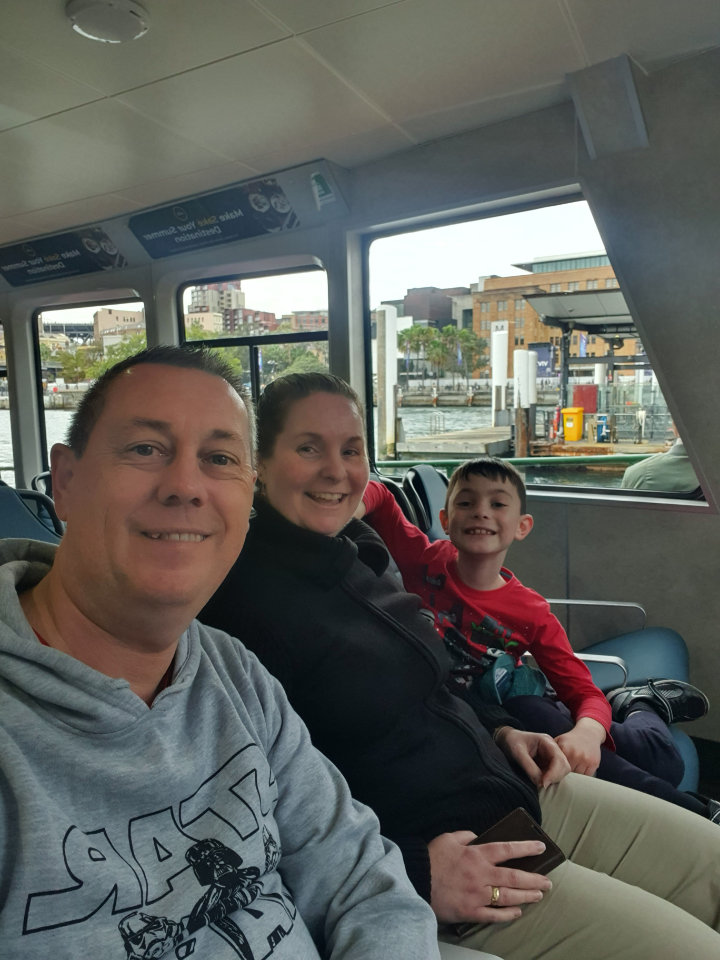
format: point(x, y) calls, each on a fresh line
point(464, 583)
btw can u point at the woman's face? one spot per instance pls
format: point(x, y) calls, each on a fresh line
point(319, 468)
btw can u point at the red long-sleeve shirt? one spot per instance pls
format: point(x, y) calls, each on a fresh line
point(512, 617)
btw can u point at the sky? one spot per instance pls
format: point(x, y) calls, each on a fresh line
point(451, 256)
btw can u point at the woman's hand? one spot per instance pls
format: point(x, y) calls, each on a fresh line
point(464, 879)
point(581, 745)
point(537, 753)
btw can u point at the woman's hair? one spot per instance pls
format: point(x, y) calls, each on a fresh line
point(279, 396)
point(188, 358)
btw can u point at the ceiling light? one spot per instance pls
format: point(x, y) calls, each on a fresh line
point(109, 21)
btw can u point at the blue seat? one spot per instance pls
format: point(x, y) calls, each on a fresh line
point(652, 652)
point(28, 514)
point(647, 654)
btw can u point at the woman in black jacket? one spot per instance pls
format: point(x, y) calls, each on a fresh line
point(311, 594)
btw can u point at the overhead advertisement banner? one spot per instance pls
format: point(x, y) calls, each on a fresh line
point(249, 210)
point(87, 250)
point(307, 195)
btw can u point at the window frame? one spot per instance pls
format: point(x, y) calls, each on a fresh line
point(253, 342)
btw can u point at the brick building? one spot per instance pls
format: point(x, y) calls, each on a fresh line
point(503, 298)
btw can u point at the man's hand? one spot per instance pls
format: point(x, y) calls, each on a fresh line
point(537, 753)
point(464, 877)
point(581, 745)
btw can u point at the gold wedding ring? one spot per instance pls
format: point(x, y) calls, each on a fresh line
point(494, 899)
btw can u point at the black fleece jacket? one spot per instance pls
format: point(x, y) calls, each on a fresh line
point(365, 669)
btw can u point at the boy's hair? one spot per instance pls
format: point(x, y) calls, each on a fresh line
point(494, 469)
point(280, 395)
point(188, 358)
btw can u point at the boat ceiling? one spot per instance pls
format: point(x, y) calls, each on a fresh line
point(221, 90)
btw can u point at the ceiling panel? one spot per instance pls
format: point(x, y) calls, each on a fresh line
point(279, 99)
point(345, 151)
point(64, 216)
point(221, 90)
point(165, 189)
point(14, 230)
point(650, 31)
point(97, 149)
point(428, 56)
point(316, 13)
point(30, 90)
point(469, 116)
point(184, 34)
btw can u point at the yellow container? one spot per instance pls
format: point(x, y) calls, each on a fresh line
point(573, 422)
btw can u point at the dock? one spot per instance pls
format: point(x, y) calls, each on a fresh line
point(457, 444)
point(497, 442)
point(584, 448)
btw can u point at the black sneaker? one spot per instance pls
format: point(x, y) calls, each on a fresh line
point(673, 700)
point(713, 811)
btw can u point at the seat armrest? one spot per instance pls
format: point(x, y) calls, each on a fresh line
point(586, 621)
point(604, 658)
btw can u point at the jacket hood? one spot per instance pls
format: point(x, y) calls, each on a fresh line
point(71, 692)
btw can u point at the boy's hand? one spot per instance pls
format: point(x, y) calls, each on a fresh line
point(581, 745)
point(537, 753)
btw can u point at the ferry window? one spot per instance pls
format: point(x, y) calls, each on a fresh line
point(265, 326)
point(6, 451)
point(445, 392)
point(77, 344)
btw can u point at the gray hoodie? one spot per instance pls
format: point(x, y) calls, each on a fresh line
point(205, 827)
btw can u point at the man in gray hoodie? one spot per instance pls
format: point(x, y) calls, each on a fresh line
point(158, 796)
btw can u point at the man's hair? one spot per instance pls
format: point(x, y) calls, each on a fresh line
point(494, 469)
point(188, 358)
point(280, 395)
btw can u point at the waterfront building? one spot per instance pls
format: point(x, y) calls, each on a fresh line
point(504, 299)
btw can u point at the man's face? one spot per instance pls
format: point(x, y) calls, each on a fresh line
point(157, 506)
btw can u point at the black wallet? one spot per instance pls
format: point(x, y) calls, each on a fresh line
point(518, 825)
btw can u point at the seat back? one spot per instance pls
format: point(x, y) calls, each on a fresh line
point(28, 514)
point(428, 486)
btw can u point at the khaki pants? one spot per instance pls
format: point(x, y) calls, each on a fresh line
point(643, 882)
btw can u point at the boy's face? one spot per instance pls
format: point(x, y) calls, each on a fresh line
point(483, 516)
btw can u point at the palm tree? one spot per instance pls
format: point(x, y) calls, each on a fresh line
point(416, 339)
point(449, 336)
point(471, 348)
point(437, 355)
